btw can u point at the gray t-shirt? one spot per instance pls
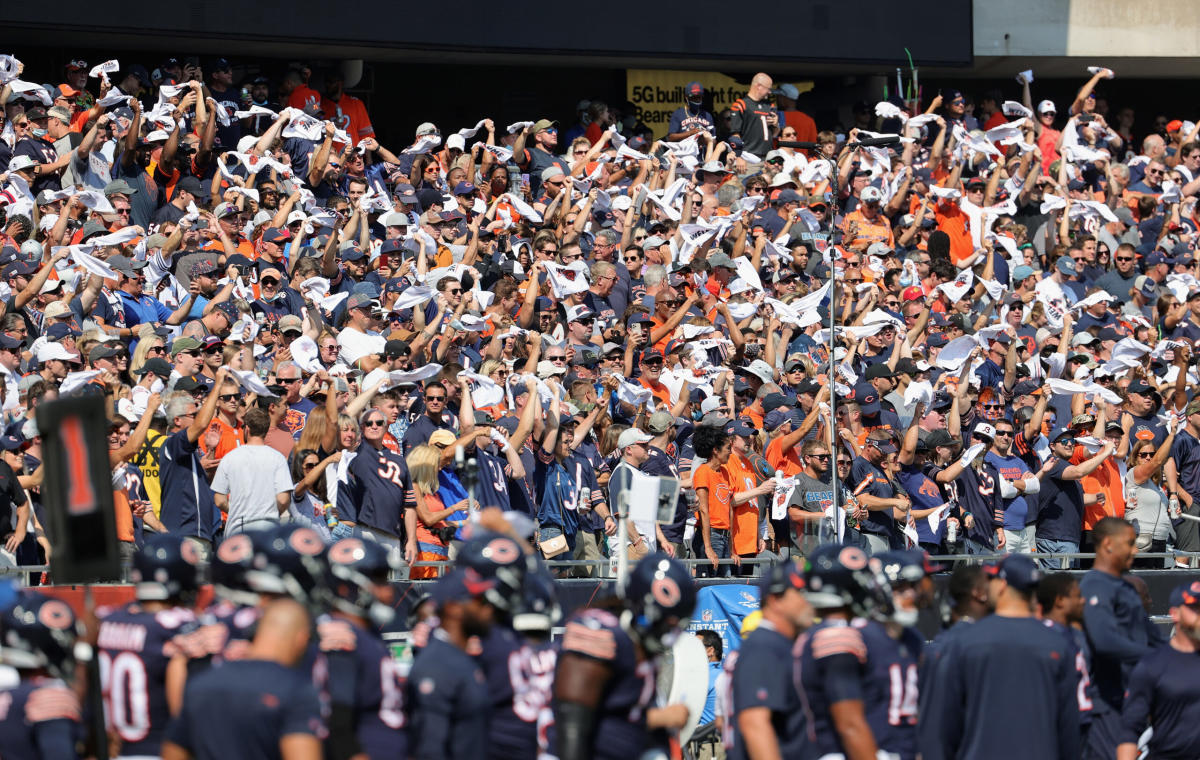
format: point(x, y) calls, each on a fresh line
point(251, 476)
point(811, 495)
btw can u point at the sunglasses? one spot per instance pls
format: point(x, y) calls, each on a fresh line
point(288, 380)
point(436, 399)
point(374, 423)
point(1065, 442)
point(213, 350)
point(1146, 455)
point(269, 282)
point(229, 396)
point(1005, 433)
point(556, 358)
point(843, 463)
point(822, 457)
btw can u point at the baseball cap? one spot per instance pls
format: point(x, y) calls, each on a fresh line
point(426, 128)
point(879, 370)
point(102, 352)
point(985, 430)
point(632, 436)
point(651, 354)
point(359, 300)
point(1146, 286)
point(1155, 258)
point(156, 366)
point(543, 124)
point(125, 265)
point(721, 259)
point(276, 235)
point(1065, 264)
point(290, 323)
point(738, 427)
point(52, 350)
point(774, 419)
point(464, 188)
point(1018, 570)
point(184, 344)
point(660, 422)
point(939, 438)
point(1187, 593)
point(913, 293)
point(871, 194)
point(1026, 388)
point(1021, 272)
point(867, 399)
point(1046, 106)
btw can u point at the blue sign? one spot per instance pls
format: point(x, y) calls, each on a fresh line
point(722, 609)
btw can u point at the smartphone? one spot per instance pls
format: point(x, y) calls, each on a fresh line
point(514, 179)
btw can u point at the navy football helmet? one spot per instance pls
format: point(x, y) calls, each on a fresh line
point(39, 631)
point(837, 575)
point(538, 610)
point(356, 568)
point(661, 597)
point(167, 567)
point(495, 555)
point(293, 562)
point(237, 560)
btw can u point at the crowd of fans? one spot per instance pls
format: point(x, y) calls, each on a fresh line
point(290, 321)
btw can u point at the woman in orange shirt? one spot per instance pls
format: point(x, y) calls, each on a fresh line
point(712, 498)
point(423, 463)
point(745, 491)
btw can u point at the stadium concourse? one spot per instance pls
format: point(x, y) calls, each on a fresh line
point(938, 361)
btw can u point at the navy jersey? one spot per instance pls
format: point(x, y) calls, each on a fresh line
point(1005, 687)
point(663, 464)
point(620, 732)
point(242, 710)
point(1164, 692)
point(135, 647)
point(832, 668)
point(1119, 631)
point(520, 680)
point(377, 490)
point(494, 473)
point(1085, 691)
point(893, 663)
point(187, 501)
point(866, 478)
point(449, 703)
point(362, 677)
point(224, 632)
point(760, 680)
point(39, 720)
point(979, 496)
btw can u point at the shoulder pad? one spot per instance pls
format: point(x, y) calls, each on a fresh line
point(336, 636)
point(52, 702)
point(841, 639)
point(590, 640)
point(174, 618)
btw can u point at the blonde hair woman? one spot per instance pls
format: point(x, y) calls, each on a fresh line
point(432, 529)
point(149, 346)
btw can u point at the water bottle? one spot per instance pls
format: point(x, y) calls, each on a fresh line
point(951, 532)
point(1173, 507)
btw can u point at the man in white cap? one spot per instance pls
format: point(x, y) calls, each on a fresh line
point(643, 537)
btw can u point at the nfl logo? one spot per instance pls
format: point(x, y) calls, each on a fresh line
point(706, 616)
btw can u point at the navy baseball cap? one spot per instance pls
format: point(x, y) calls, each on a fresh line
point(774, 419)
point(464, 188)
point(650, 354)
point(694, 90)
point(1187, 593)
point(867, 399)
point(12, 344)
point(1156, 258)
point(738, 427)
point(1018, 570)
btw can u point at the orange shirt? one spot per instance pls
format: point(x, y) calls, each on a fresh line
point(350, 115)
point(718, 489)
point(1104, 479)
point(124, 516)
point(787, 461)
point(745, 516)
point(231, 437)
point(304, 96)
point(755, 417)
point(952, 221)
point(867, 231)
point(662, 393)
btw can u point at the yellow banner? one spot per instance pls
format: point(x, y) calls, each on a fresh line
point(657, 93)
